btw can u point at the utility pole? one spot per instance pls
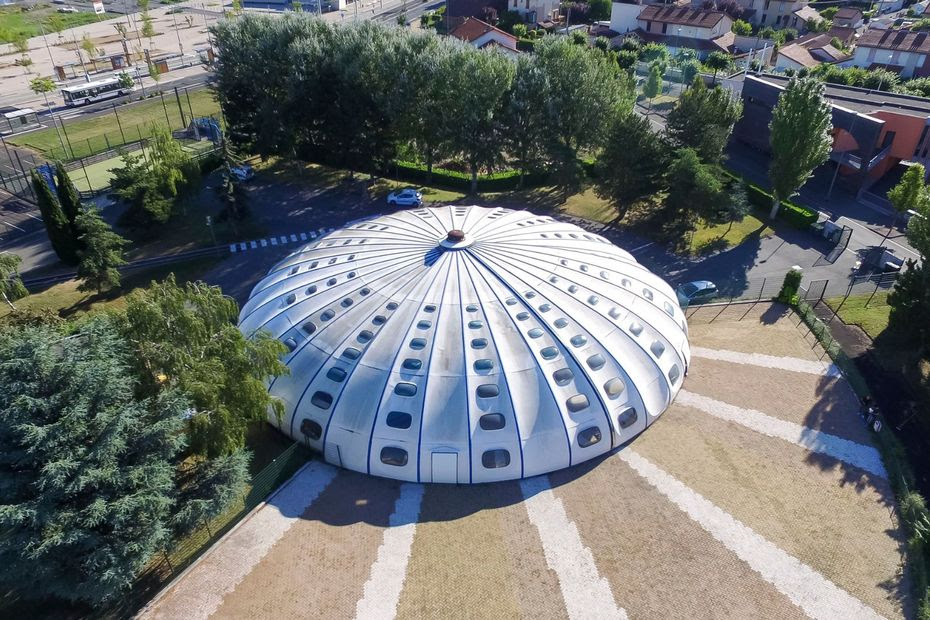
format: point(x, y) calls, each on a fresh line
point(178, 34)
point(48, 49)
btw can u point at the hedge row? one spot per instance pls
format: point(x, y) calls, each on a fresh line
point(794, 214)
point(495, 182)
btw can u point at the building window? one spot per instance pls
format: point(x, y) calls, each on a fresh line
point(311, 429)
point(479, 343)
point(336, 374)
point(492, 422)
point(627, 417)
point(589, 436)
point(596, 361)
point(483, 365)
point(549, 353)
point(488, 390)
point(495, 459)
point(412, 364)
point(577, 403)
point(563, 376)
point(399, 419)
point(393, 456)
point(405, 389)
point(614, 386)
point(323, 400)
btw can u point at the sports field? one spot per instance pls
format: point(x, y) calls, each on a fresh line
point(758, 494)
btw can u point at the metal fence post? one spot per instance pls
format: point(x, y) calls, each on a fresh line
point(872, 295)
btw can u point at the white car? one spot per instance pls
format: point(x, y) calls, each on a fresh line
point(67, 9)
point(407, 197)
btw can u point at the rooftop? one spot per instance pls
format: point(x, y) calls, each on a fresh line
point(811, 50)
point(473, 28)
point(862, 99)
point(896, 40)
point(848, 13)
point(681, 15)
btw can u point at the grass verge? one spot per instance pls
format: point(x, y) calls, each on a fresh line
point(710, 237)
point(17, 22)
point(66, 301)
point(868, 312)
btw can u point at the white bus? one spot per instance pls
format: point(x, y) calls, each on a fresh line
point(83, 94)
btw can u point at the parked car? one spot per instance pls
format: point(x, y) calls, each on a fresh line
point(67, 9)
point(242, 172)
point(697, 292)
point(407, 197)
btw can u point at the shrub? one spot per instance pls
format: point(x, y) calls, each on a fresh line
point(790, 286)
point(526, 45)
point(495, 182)
point(794, 214)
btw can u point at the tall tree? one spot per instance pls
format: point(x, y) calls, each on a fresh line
point(653, 84)
point(587, 90)
point(186, 336)
point(910, 299)
point(633, 163)
point(87, 472)
point(478, 94)
point(718, 61)
point(524, 116)
point(11, 285)
point(101, 253)
point(800, 137)
point(56, 223)
point(68, 197)
point(703, 119)
point(694, 188)
point(911, 192)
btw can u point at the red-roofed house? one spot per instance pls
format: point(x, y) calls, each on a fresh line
point(483, 35)
point(902, 51)
point(677, 27)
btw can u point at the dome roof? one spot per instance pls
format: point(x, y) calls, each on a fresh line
point(514, 346)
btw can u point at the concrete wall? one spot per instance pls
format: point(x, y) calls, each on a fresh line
point(623, 16)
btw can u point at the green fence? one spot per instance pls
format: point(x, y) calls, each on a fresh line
point(183, 553)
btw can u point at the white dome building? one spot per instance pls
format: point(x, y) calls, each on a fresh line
point(467, 344)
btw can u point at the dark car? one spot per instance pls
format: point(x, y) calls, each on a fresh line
point(697, 292)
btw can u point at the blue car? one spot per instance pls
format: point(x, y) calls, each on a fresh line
point(697, 292)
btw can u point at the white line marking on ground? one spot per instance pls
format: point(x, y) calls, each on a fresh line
point(283, 239)
point(642, 247)
point(264, 243)
point(293, 237)
point(303, 236)
point(274, 241)
point(386, 580)
point(242, 246)
point(857, 454)
point(233, 247)
point(253, 245)
point(586, 593)
point(768, 361)
point(200, 592)
point(817, 596)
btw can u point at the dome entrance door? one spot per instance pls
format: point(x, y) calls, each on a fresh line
point(445, 467)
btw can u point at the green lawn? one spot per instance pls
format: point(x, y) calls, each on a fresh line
point(872, 319)
point(94, 135)
point(97, 176)
point(712, 237)
point(65, 300)
point(16, 23)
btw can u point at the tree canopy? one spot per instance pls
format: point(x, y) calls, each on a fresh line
point(361, 95)
point(101, 252)
point(800, 137)
point(910, 194)
point(11, 285)
point(95, 480)
point(703, 119)
point(632, 164)
point(186, 337)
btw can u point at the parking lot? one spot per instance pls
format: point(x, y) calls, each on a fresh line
point(756, 495)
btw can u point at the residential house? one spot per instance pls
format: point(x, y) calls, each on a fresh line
point(902, 51)
point(846, 34)
point(483, 35)
point(457, 11)
point(849, 17)
point(677, 27)
point(873, 131)
point(776, 13)
point(807, 52)
point(535, 11)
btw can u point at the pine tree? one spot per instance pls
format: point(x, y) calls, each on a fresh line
point(87, 472)
point(95, 480)
point(101, 255)
point(56, 222)
point(11, 285)
point(703, 119)
point(68, 197)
